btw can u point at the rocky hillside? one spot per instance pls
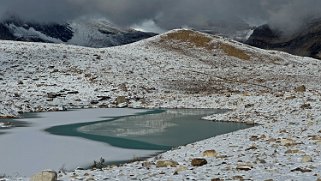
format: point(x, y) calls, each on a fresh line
point(306, 42)
point(181, 68)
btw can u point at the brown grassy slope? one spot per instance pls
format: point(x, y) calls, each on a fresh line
point(193, 39)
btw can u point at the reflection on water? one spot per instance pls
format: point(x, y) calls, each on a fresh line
point(173, 127)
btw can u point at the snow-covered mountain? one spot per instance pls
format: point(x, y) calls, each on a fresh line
point(305, 42)
point(84, 32)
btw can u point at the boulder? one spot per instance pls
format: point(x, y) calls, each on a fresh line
point(166, 163)
point(303, 170)
point(306, 158)
point(301, 88)
point(197, 162)
point(53, 95)
point(293, 151)
point(244, 167)
point(121, 99)
point(180, 169)
point(44, 176)
point(210, 153)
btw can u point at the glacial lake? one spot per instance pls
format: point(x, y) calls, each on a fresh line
point(66, 140)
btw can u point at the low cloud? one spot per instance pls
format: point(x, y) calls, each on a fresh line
point(285, 15)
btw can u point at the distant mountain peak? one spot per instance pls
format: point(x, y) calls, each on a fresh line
point(91, 32)
point(305, 42)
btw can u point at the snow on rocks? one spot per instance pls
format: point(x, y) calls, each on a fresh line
point(277, 92)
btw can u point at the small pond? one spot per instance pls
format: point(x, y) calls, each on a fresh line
point(66, 140)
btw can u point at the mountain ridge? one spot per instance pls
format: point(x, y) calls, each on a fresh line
point(306, 42)
point(83, 32)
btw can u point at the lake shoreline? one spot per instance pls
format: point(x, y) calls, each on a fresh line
point(278, 125)
point(45, 129)
point(274, 128)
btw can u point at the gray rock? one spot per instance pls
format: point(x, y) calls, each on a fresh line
point(44, 176)
point(121, 99)
point(210, 153)
point(197, 162)
point(301, 88)
point(306, 158)
point(166, 163)
point(53, 95)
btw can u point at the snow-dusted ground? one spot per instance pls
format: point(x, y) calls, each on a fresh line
point(182, 68)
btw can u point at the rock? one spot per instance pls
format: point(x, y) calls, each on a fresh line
point(306, 158)
point(147, 164)
point(290, 97)
point(123, 87)
point(315, 137)
point(217, 179)
point(166, 163)
point(299, 169)
point(197, 162)
point(122, 105)
point(301, 88)
point(244, 167)
point(287, 142)
point(238, 177)
point(279, 94)
point(292, 151)
point(261, 161)
point(249, 105)
point(210, 153)
point(94, 102)
point(306, 106)
point(103, 98)
point(283, 131)
point(73, 92)
point(121, 99)
point(90, 179)
point(53, 95)
point(253, 147)
point(54, 71)
point(180, 169)
point(254, 138)
point(44, 176)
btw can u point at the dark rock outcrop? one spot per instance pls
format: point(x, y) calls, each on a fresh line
point(306, 42)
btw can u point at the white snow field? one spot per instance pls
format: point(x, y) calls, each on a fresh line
point(182, 69)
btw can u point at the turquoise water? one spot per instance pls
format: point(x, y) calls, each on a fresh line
point(75, 138)
point(152, 130)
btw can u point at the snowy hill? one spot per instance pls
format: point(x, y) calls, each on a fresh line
point(181, 63)
point(83, 32)
point(181, 69)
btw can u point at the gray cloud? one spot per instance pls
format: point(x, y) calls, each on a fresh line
point(280, 14)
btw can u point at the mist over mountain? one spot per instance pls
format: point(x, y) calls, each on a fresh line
point(97, 32)
point(306, 42)
point(285, 15)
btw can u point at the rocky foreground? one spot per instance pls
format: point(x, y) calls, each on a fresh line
point(278, 92)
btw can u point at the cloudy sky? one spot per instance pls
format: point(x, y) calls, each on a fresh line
point(281, 14)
